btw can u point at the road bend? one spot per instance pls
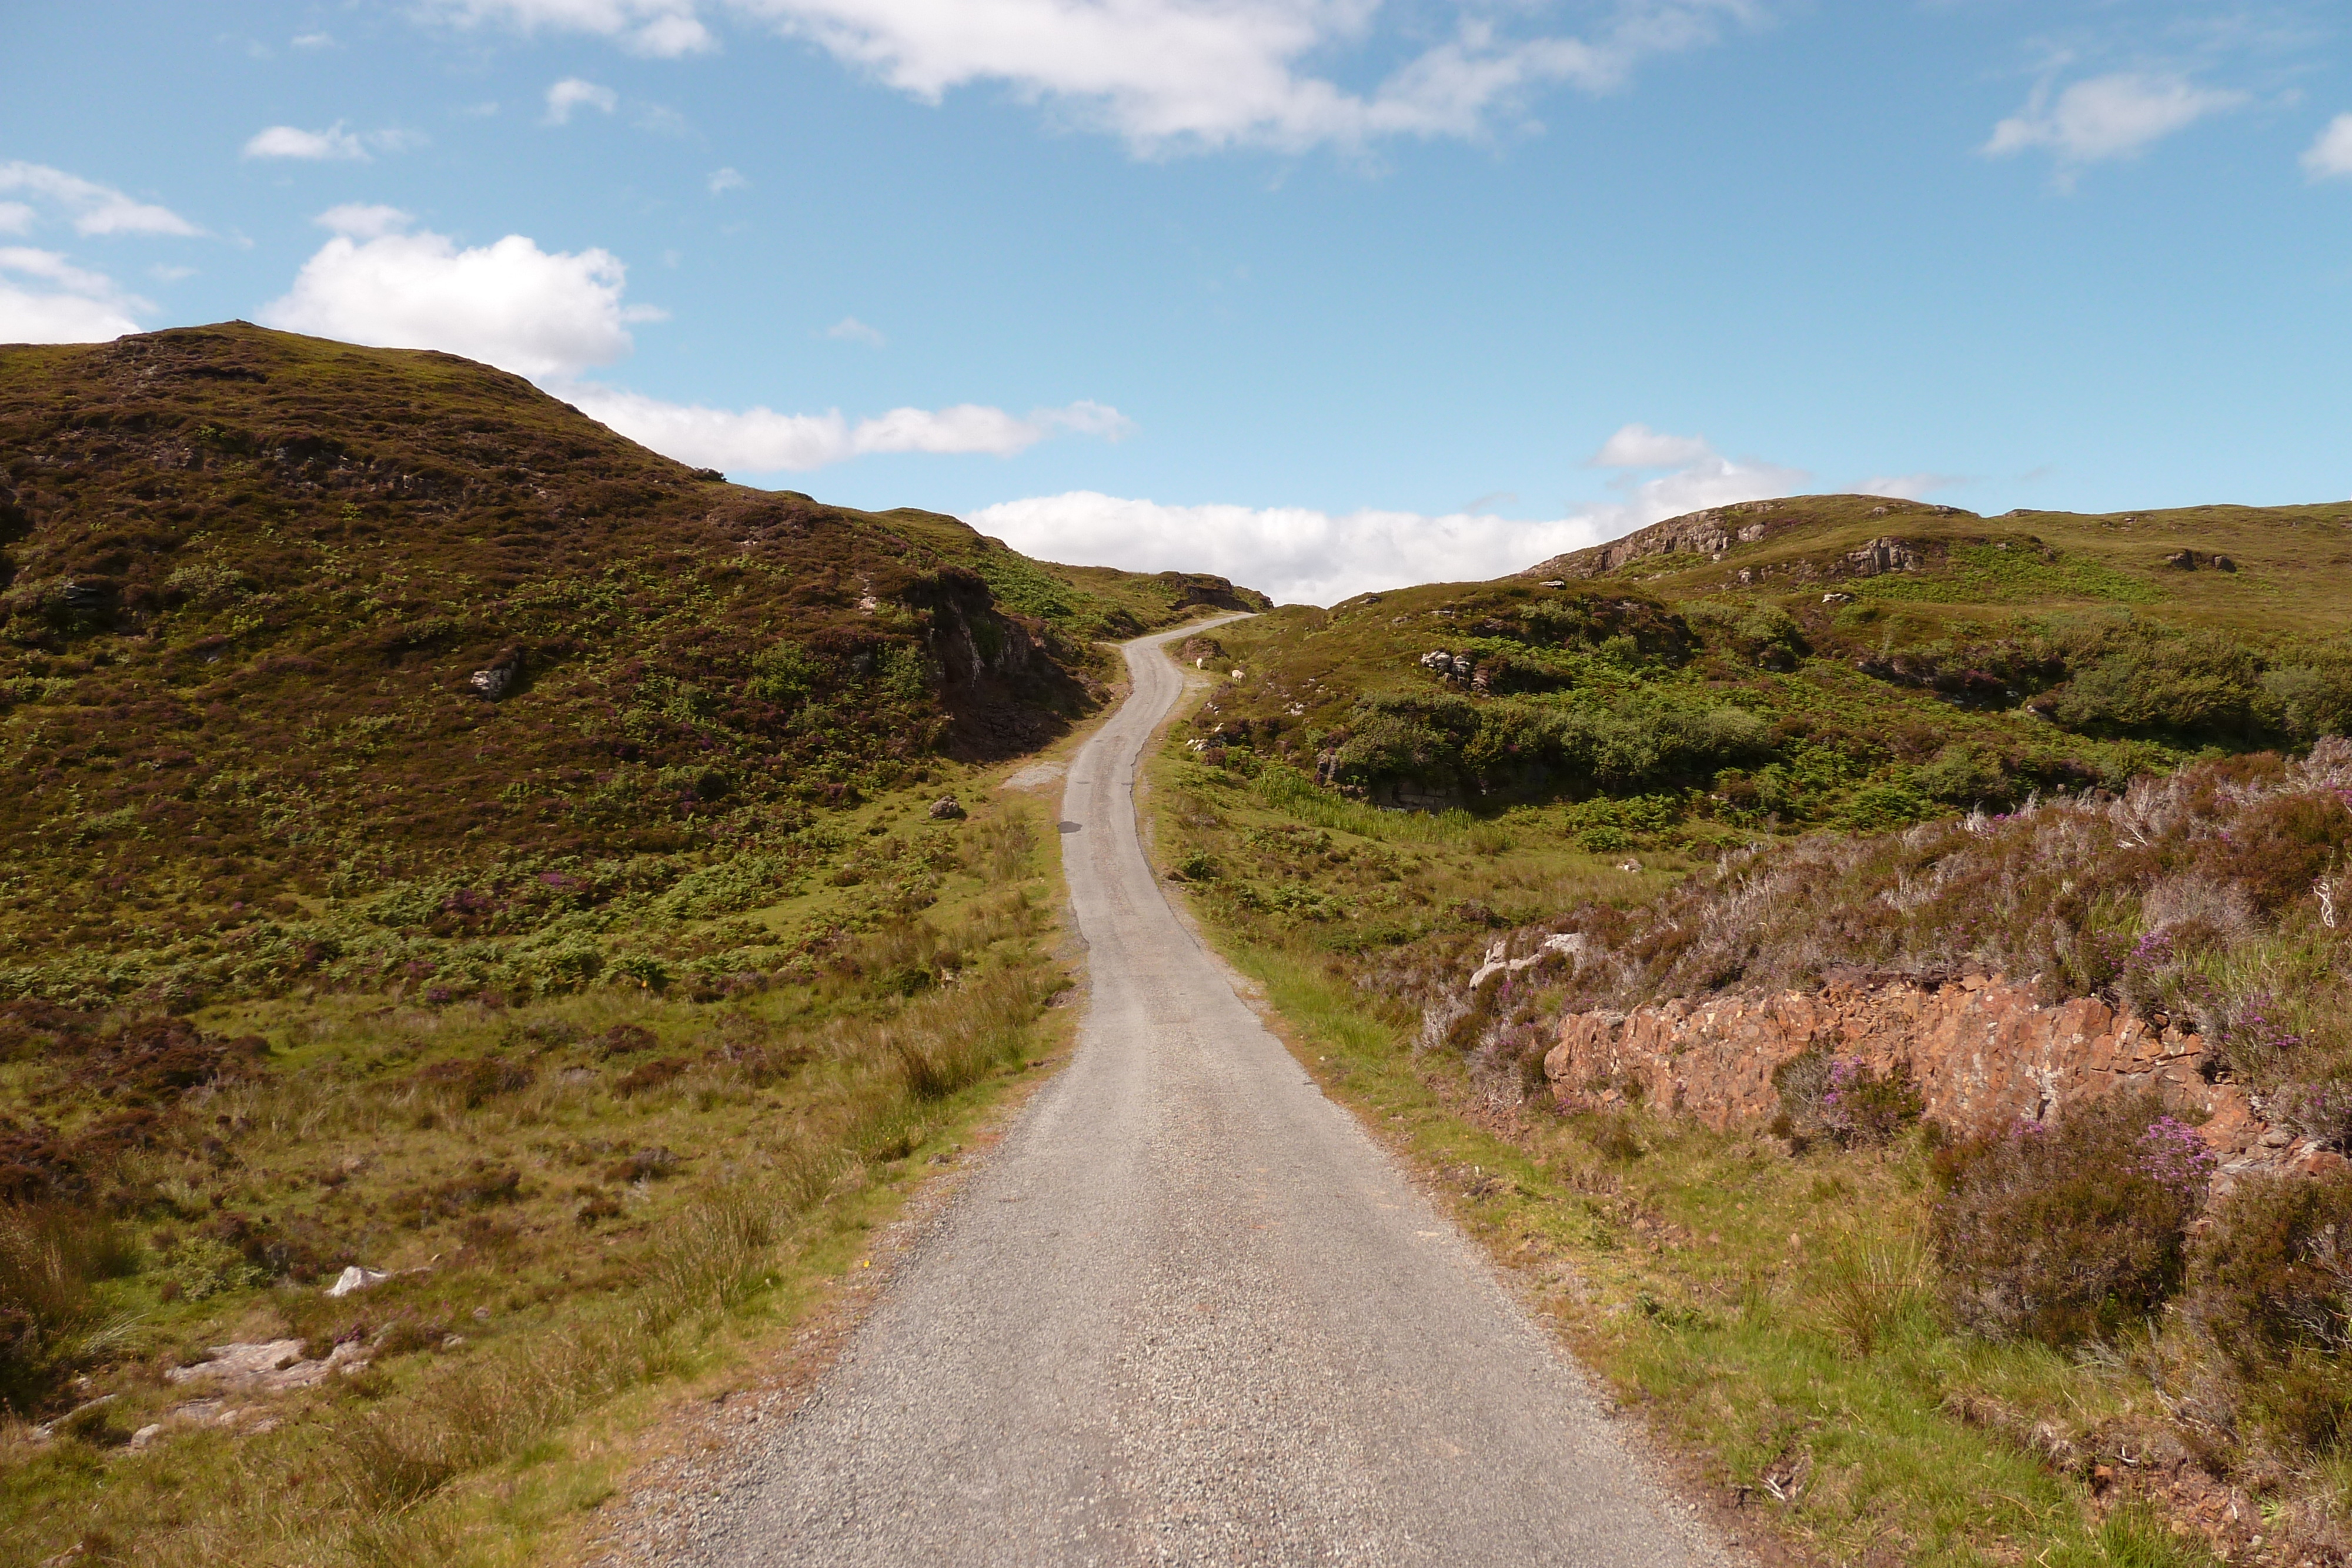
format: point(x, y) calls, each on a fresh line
point(1189, 1312)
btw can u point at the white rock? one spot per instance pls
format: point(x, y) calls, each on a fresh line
point(356, 1279)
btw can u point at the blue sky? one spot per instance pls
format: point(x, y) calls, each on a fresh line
point(1324, 294)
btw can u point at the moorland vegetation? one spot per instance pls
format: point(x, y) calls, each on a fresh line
point(451, 847)
point(1864, 737)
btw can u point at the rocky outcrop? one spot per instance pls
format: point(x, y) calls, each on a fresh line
point(1718, 530)
point(1981, 1052)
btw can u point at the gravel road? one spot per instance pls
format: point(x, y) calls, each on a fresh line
point(1191, 1313)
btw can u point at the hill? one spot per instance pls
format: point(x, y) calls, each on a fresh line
point(1820, 661)
point(307, 651)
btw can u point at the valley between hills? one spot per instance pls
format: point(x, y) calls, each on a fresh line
point(497, 925)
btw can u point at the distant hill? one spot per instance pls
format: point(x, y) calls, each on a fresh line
point(287, 624)
point(2264, 569)
point(1840, 660)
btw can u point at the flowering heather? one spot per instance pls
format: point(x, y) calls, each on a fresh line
point(2175, 1155)
point(2140, 898)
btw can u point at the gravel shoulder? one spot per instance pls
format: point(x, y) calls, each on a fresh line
point(1187, 1311)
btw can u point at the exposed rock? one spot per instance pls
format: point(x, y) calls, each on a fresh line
point(1566, 944)
point(356, 1278)
point(947, 808)
point(1882, 555)
point(272, 1366)
point(1981, 1052)
point(2197, 561)
point(496, 678)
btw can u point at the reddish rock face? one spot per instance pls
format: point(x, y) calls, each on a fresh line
point(1981, 1052)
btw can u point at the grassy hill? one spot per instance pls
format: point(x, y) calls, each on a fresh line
point(1771, 706)
point(1838, 659)
point(445, 838)
point(333, 662)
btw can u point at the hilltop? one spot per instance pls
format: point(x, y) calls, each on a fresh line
point(302, 644)
point(1840, 660)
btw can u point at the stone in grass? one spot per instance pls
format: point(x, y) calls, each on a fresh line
point(356, 1278)
point(947, 808)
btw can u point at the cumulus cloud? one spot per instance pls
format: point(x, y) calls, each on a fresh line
point(1171, 73)
point(850, 329)
point(1296, 553)
point(363, 220)
point(1696, 476)
point(1909, 486)
point(763, 441)
point(537, 313)
point(572, 93)
point(292, 141)
point(2331, 155)
point(1639, 446)
point(721, 180)
point(1299, 554)
point(2107, 117)
point(1166, 73)
point(46, 298)
point(664, 30)
point(92, 208)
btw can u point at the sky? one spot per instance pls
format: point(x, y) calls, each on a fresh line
point(1325, 296)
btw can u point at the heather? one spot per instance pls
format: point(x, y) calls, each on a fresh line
point(329, 666)
point(2211, 897)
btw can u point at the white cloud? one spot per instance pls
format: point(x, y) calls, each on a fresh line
point(1171, 73)
point(2107, 117)
point(1296, 553)
point(1302, 555)
point(535, 312)
point(95, 209)
point(663, 28)
point(292, 142)
point(725, 180)
point(2331, 155)
point(1909, 486)
point(1213, 73)
point(45, 298)
point(572, 93)
point(314, 40)
point(850, 329)
point(16, 218)
point(1639, 446)
point(763, 441)
point(363, 220)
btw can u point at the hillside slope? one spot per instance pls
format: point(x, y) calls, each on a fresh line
point(1824, 660)
point(296, 633)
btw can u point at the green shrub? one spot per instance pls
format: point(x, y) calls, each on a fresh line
point(50, 1318)
point(2068, 1232)
point(2270, 1283)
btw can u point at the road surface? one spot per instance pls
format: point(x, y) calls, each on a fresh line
point(1191, 1313)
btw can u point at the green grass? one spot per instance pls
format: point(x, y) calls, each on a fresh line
point(638, 1192)
point(2006, 664)
point(246, 578)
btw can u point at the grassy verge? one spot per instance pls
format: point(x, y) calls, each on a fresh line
point(1771, 1316)
point(587, 1203)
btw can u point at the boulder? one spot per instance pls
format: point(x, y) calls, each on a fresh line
point(947, 808)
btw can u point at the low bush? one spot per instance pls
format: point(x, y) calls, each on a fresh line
point(2068, 1232)
point(2270, 1283)
point(50, 1318)
point(1823, 1095)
